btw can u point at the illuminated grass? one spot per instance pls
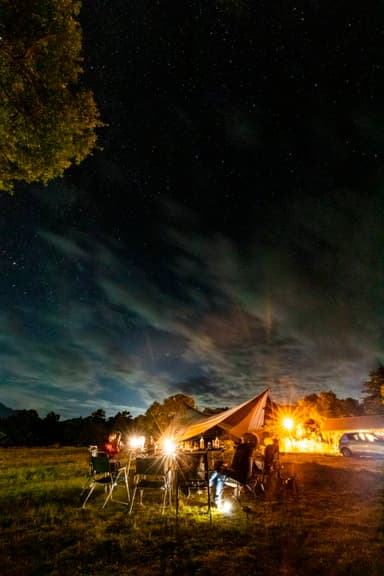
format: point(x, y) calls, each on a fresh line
point(334, 529)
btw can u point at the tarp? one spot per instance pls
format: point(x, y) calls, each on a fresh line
point(243, 418)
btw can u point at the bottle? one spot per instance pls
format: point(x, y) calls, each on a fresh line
point(201, 443)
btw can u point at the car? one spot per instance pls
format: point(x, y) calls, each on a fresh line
point(361, 444)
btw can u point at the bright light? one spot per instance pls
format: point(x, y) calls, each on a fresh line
point(288, 423)
point(169, 446)
point(137, 442)
point(226, 507)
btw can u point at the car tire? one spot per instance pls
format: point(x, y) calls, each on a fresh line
point(346, 452)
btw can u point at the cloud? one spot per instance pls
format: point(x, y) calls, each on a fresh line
point(221, 322)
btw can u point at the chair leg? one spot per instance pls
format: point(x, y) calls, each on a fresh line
point(122, 473)
point(165, 497)
point(133, 499)
point(109, 495)
point(126, 482)
point(127, 486)
point(89, 494)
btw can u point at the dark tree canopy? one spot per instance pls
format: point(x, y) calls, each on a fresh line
point(48, 120)
point(159, 416)
point(373, 392)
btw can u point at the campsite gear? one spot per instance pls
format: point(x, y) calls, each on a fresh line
point(104, 473)
point(238, 421)
point(153, 474)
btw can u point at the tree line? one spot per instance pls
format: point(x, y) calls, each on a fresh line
point(26, 428)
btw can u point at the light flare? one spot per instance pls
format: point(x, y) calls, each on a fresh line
point(169, 446)
point(137, 442)
point(288, 423)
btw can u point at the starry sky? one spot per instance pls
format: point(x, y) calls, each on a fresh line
point(228, 236)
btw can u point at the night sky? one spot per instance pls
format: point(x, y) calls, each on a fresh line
point(228, 236)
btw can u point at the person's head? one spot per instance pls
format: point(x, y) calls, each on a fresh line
point(114, 437)
point(251, 438)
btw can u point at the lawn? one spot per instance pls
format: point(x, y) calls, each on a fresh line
point(335, 527)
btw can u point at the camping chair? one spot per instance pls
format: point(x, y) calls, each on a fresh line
point(153, 474)
point(243, 475)
point(105, 473)
point(192, 475)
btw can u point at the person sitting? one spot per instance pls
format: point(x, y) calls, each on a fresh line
point(112, 447)
point(243, 463)
point(237, 474)
point(217, 482)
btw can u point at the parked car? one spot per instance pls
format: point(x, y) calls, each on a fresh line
point(361, 444)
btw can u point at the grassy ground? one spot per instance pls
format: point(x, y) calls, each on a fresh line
point(335, 528)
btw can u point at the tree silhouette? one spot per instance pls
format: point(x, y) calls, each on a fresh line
point(373, 389)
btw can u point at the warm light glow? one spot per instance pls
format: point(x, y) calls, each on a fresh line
point(288, 423)
point(169, 446)
point(226, 507)
point(307, 445)
point(300, 431)
point(137, 442)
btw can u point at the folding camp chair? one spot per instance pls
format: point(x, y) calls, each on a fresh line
point(153, 474)
point(192, 475)
point(107, 474)
point(243, 475)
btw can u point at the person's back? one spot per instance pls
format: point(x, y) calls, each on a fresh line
point(271, 457)
point(242, 461)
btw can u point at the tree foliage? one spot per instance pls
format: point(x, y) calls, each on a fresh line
point(373, 388)
point(328, 405)
point(48, 120)
point(159, 416)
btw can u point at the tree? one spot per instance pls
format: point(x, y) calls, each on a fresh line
point(98, 416)
point(23, 428)
point(328, 405)
point(50, 428)
point(373, 402)
point(158, 416)
point(48, 120)
point(122, 421)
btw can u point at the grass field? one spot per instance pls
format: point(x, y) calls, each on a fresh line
point(336, 527)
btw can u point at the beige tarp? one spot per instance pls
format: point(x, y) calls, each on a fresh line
point(243, 418)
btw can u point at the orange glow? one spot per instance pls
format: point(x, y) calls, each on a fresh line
point(307, 445)
point(288, 423)
point(299, 431)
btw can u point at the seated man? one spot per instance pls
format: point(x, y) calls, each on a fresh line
point(217, 481)
point(240, 470)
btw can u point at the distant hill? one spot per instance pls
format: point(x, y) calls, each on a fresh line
point(5, 411)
